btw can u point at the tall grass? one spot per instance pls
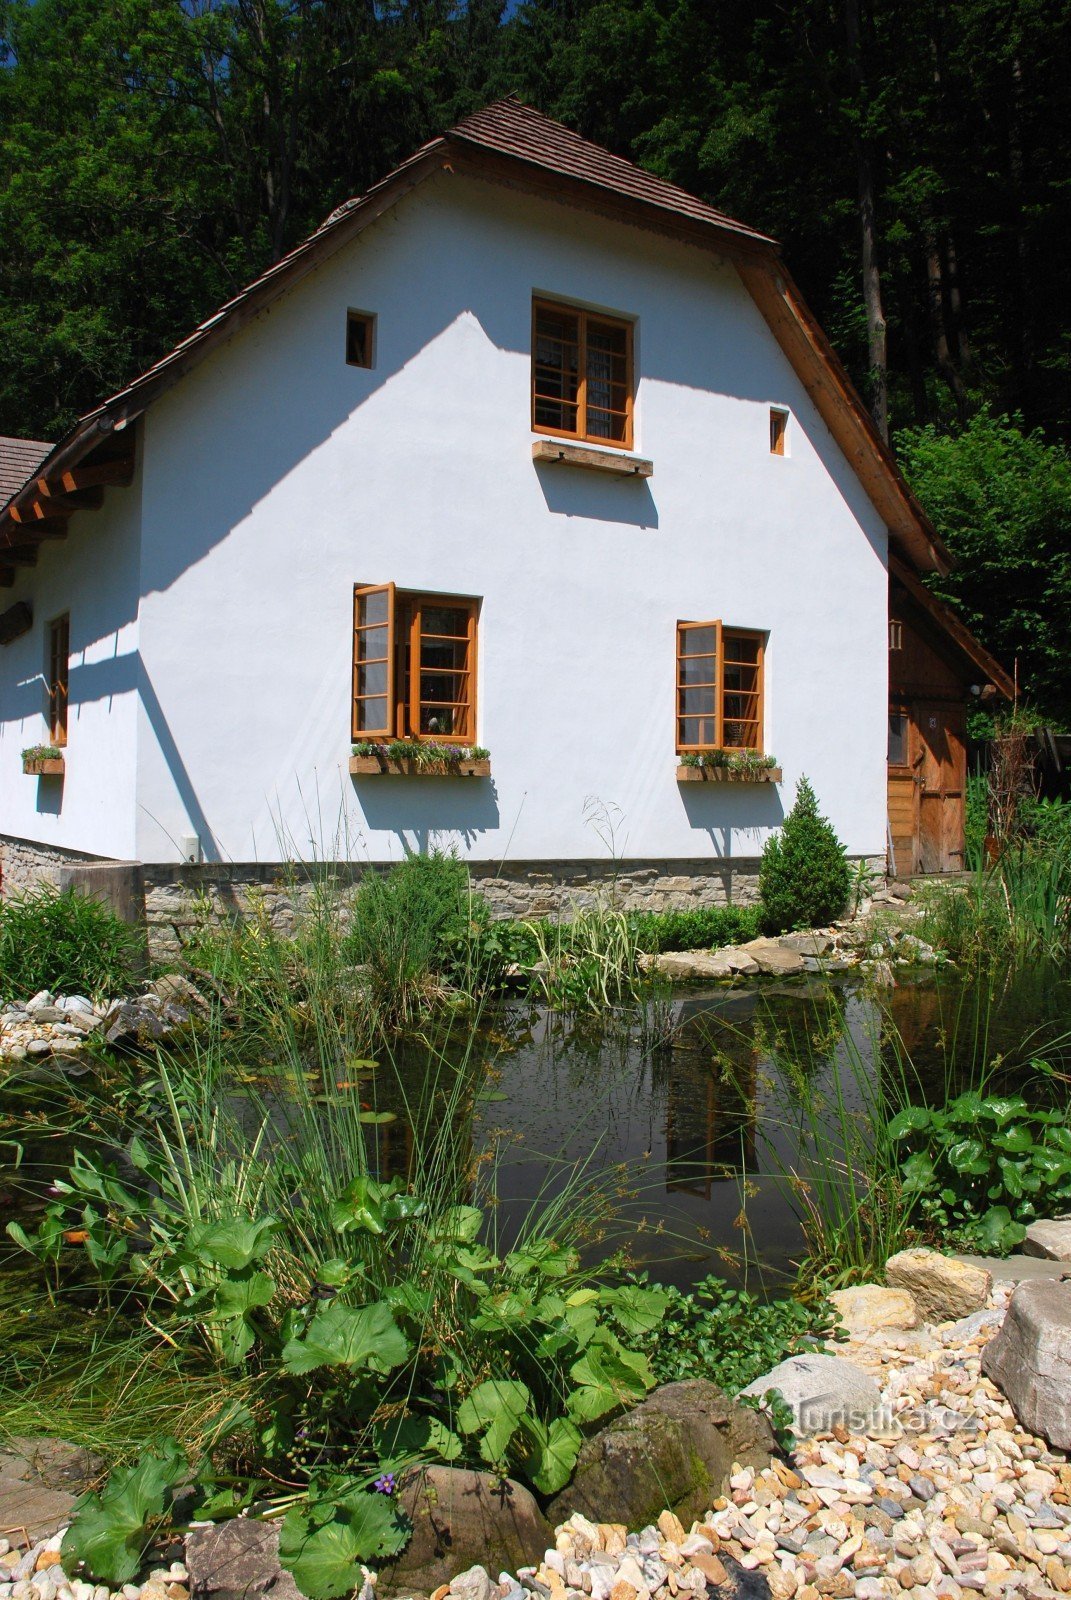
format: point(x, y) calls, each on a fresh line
point(66, 942)
point(1014, 911)
point(590, 963)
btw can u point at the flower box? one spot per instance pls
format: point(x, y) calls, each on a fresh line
point(43, 766)
point(727, 775)
point(388, 766)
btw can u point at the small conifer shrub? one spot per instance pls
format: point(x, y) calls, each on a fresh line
point(804, 879)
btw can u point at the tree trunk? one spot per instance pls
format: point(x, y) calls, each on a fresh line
point(877, 342)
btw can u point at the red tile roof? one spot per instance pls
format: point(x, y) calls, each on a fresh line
point(19, 460)
point(511, 129)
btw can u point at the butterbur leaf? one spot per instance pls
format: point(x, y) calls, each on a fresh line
point(638, 1310)
point(968, 1156)
point(494, 1409)
point(325, 1540)
point(607, 1376)
point(918, 1171)
point(458, 1222)
point(911, 1120)
point(401, 1440)
point(553, 1452)
point(233, 1244)
point(365, 1337)
point(997, 1231)
point(1016, 1139)
point(110, 1529)
point(234, 1297)
point(1003, 1107)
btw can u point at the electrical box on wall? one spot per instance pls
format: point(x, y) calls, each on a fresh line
point(190, 848)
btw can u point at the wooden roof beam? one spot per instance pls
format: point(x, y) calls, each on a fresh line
point(102, 474)
point(54, 506)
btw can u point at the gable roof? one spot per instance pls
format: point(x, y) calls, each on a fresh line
point(511, 143)
point(18, 460)
point(946, 621)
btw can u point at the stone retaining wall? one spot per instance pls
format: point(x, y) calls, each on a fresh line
point(173, 898)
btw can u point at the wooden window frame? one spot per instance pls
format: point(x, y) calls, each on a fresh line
point(584, 318)
point(59, 678)
point(405, 631)
point(896, 634)
point(368, 319)
point(721, 632)
point(778, 431)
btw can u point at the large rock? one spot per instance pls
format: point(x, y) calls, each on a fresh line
point(1049, 1239)
point(688, 966)
point(40, 1479)
point(675, 1451)
point(1030, 1358)
point(772, 958)
point(238, 1560)
point(825, 1392)
point(944, 1289)
point(870, 1306)
point(463, 1519)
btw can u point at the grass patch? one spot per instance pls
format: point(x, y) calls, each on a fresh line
point(66, 942)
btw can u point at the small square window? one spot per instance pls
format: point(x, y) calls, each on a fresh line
point(778, 430)
point(360, 339)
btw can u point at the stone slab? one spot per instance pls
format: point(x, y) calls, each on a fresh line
point(1017, 1268)
point(1051, 1240)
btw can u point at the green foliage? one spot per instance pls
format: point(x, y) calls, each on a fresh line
point(983, 1165)
point(1000, 495)
point(1013, 911)
point(69, 943)
point(412, 925)
point(353, 1325)
point(41, 752)
point(745, 762)
point(706, 928)
point(110, 1531)
point(729, 1335)
point(804, 879)
point(588, 963)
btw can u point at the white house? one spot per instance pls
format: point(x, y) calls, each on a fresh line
point(524, 449)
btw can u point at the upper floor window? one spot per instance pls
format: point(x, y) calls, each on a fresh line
point(59, 657)
point(719, 687)
point(581, 374)
point(360, 338)
point(778, 430)
point(414, 665)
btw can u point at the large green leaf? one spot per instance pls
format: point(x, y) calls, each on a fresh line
point(911, 1120)
point(1003, 1107)
point(638, 1309)
point(1016, 1138)
point(235, 1297)
point(458, 1222)
point(110, 1529)
point(552, 1452)
point(324, 1542)
point(494, 1410)
point(233, 1244)
point(998, 1232)
point(373, 1206)
point(919, 1172)
point(365, 1337)
point(607, 1375)
point(968, 1156)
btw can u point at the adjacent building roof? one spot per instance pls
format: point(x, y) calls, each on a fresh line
point(19, 459)
point(511, 143)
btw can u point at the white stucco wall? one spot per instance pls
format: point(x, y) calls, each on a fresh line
point(94, 575)
point(275, 476)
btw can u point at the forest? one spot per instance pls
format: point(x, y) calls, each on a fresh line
point(914, 160)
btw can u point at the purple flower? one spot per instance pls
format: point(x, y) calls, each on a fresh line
point(385, 1483)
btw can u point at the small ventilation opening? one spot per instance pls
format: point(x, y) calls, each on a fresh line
point(360, 338)
point(778, 430)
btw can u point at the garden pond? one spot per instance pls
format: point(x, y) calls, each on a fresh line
point(688, 1111)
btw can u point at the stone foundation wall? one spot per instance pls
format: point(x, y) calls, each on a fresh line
point(24, 864)
point(174, 899)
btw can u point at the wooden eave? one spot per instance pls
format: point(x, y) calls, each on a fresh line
point(462, 150)
point(949, 625)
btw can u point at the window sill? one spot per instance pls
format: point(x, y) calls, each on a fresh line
point(726, 775)
point(618, 463)
point(373, 767)
point(43, 766)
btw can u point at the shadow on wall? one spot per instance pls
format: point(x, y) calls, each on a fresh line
point(578, 492)
point(419, 811)
point(721, 810)
point(49, 796)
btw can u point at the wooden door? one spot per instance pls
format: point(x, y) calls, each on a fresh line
point(940, 731)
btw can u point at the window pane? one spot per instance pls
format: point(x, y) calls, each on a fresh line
point(739, 647)
point(371, 714)
point(898, 738)
point(372, 644)
point(606, 424)
point(697, 669)
point(697, 731)
point(698, 641)
point(438, 720)
point(556, 370)
point(696, 700)
point(372, 679)
point(449, 620)
point(741, 735)
point(372, 608)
